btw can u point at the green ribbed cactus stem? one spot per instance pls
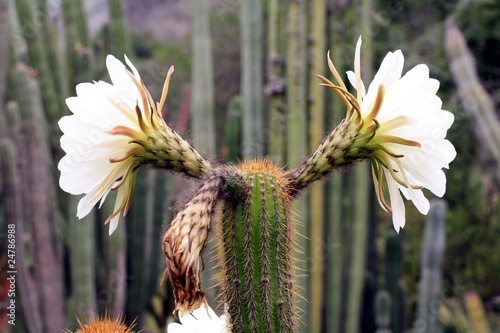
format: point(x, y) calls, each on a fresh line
point(52, 105)
point(11, 188)
point(47, 256)
point(70, 37)
point(316, 132)
point(115, 251)
point(249, 208)
point(233, 131)
point(431, 279)
point(383, 311)
point(335, 265)
point(153, 250)
point(251, 18)
point(83, 46)
point(81, 242)
point(4, 51)
point(477, 102)
point(275, 84)
point(296, 136)
point(257, 238)
point(118, 34)
point(202, 104)
point(202, 93)
point(393, 282)
point(49, 36)
point(140, 216)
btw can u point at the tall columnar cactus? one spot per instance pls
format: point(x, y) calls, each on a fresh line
point(15, 215)
point(119, 40)
point(429, 291)
point(233, 130)
point(316, 115)
point(251, 18)
point(475, 99)
point(52, 104)
point(275, 84)
point(393, 281)
point(296, 130)
point(335, 264)
point(257, 252)
point(202, 98)
point(138, 223)
point(48, 268)
point(361, 198)
point(383, 311)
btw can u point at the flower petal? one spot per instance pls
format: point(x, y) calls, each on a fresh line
point(397, 204)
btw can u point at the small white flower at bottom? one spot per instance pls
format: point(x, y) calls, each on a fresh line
point(201, 320)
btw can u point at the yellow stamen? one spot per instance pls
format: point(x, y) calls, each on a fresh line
point(334, 71)
point(124, 130)
point(141, 88)
point(165, 89)
point(377, 104)
point(124, 156)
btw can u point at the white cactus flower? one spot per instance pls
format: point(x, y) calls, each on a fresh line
point(201, 320)
point(113, 130)
point(403, 127)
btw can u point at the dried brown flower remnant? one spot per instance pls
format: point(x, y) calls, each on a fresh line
point(184, 241)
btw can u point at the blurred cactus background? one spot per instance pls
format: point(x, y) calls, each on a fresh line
point(244, 86)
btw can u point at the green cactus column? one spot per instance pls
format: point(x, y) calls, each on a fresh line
point(48, 267)
point(336, 110)
point(275, 85)
point(52, 105)
point(202, 103)
point(316, 131)
point(4, 51)
point(361, 196)
point(251, 79)
point(475, 99)
point(296, 137)
point(257, 235)
point(393, 280)
point(115, 246)
point(15, 214)
point(429, 290)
